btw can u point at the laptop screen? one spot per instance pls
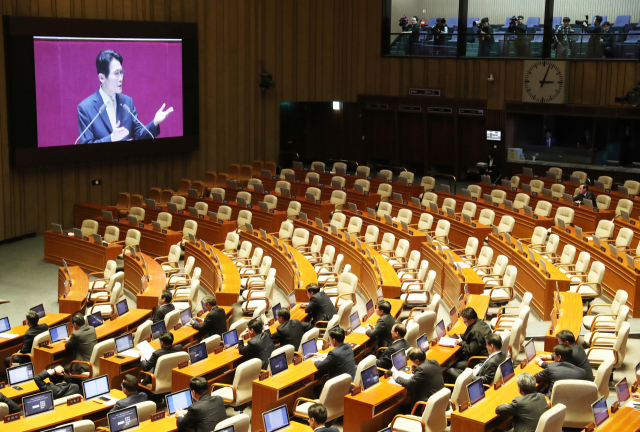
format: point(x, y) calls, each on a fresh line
point(58, 332)
point(231, 428)
point(441, 330)
point(4, 324)
point(506, 368)
point(309, 347)
point(423, 342)
point(198, 352)
point(275, 309)
point(370, 307)
point(622, 389)
point(95, 319)
point(600, 410)
point(123, 419)
point(96, 387)
point(276, 419)
point(278, 364)
point(124, 342)
point(370, 377)
point(65, 428)
point(39, 310)
point(20, 374)
point(476, 391)
point(179, 400)
point(37, 403)
point(399, 359)
point(530, 349)
point(185, 316)
point(355, 320)
point(122, 307)
point(230, 338)
point(157, 329)
point(452, 313)
point(292, 300)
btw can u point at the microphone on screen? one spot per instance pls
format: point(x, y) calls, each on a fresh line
point(100, 111)
point(127, 109)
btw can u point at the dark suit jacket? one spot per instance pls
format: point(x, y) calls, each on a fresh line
point(80, 344)
point(59, 390)
point(384, 361)
point(203, 415)
point(473, 343)
point(425, 381)
point(525, 410)
point(489, 368)
point(339, 360)
point(579, 359)
point(13, 407)
point(161, 311)
point(100, 130)
point(132, 399)
point(326, 429)
point(150, 364)
point(260, 346)
point(588, 195)
point(215, 323)
point(382, 331)
point(289, 333)
point(30, 334)
point(554, 372)
point(320, 308)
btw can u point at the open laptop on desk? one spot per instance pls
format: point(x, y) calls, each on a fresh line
point(622, 391)
point(19, 375)
point(276, 420)
point(157, 329)
point(198, 352)
point(122, 307)
point(230, 339)
point(309, 348)
point(39, 310)
point(185, 317)
point(97, 390)
point(354, 318)
point(487, 198)
point(292, 300)
point(369, 377)
point(526, 188)
point(180, 400)
point(370, 308)
point(578, 231)
point(399, 360)
point(476, 392)
point(38, 403)
point(77, 232)
point(58, 332)
point(530, 350)
point(506, 369)
point(124, 419)
point(124, 346)
point(95, 319)
point(63, 428)
point(278, 364)
point(600, 411)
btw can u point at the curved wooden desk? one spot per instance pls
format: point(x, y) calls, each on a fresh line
point(134, 273)
point(87, 254)
point(618, 275)
point(208, 230)
point(570, 319)
point(210, 279)
point(84, 211)
point(75, 299)
point(530, 277)
point(152, 242)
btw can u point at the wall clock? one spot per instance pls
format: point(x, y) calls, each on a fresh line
point(544, 81)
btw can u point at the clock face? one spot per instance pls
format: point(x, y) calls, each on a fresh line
point(544, 82)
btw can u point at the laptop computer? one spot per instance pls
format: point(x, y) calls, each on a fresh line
point(58, 228)
point(173, 207)
point(198, 352)
point(622, 391)
point(530, 350)
point(37, 404)
point(107, 215)
point(95, 319)
point(466, 218)
point(600, 411)
point(292, 300)
point(230, 338)
point(192, 192)
point(543, 265)
point(39, 309)
point(242, 202)
point(309, 348)
point(354, 319)
point(63, 428)
point(526, 188)
point(441, 329)
point(613, 250)
point(506, 183)
point(369, 377)
point(157, 329)
point(276, 419)
point(370, 307)
point(550, 175)
point(275, 309)
point(506, 369)
point(20, 374)
point(433, 207)
point(358, 188)
point(98, 389)
point(97, 238)
point(487, 198)
point(476, 391)
point(399, 360)
point(423, 342)
point(319, 223)
point(567, 198)
point(528, 210)
point(265, 173)
point(258, 187)
point(77, 232)
point(185, 317)
point(150, 202)
point(179, 400)
point(122, 307)
point(156, 226)
point(596, 241)
point(124, 419)
point(58, 332)
point(450, 212)
point(587, 203)
point(598, 185)
point(625, 215)
point(623, 190)
point(465, 193)
point(124, 346)
point(630, 261)
point(278, 364)
point(547, 193)
point(485, 179)
point(380, 294)
point(508, 204)
point(445, 188)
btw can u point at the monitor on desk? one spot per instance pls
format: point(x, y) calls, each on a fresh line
point(275, 309)
point(485, 179)
point(613, 250)
point(95, 319)
point(423, 342)
point(216, 196)
point(561, 223)
point(278, 364)
point(123, 419)
point(39, 310)
point(371, 212)
point(625, 215)
point(309, 348)
point(476, 391)
point(58, 228)
point(623, 190)
point(37, 403)
point(631, 261)
point(596, 241)
point(124, 342)
point(185, 316)
point(598, 185)
point(495, 230)
point(450, 212)
point(487, 198)
point(506, 183)
point(258, 187)
point(97, 238)
point(352, 206)
point(149, 203)
point(507, 237)
point(157, 329)
point(358, 188)
point(527, 171)
point(58, 332)
point(77, 232)
point(192, 192)
point(388, 219)
point(4, 324)
point(445, 188)
point(276, 419)
point(465, 193)
point(193, 211)
point(399, 359)
point(334, 229)
point(198, 352)
point(354, 319)
point(303, 217)
point(180, 400)
point(530, 350)
point(508, 204)
point(441, 329)
point(96, 387)
point(107, 215)
point(156, 226)
point(242, 202)
point(369, 307)
point(292, 299)
point(122, 307)
point(466, 218)
point(622, 391)
point(568, 198)
point(380, 294)
point(550, 175)
point(397, 197)
point(369, 377)
point(20, 374)
point(547, 193)
point(319, 222)
point(600, 411)
point(63, 428)
point(230, 338)
point(506, 369)
point(578, 231)
point(415, 201)
point(587, 203)
point(526, 188)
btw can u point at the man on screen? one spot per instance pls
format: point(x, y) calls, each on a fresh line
point(114, 122)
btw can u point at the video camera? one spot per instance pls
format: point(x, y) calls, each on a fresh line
point(631, 98)
point(581, 22)
point(403, 21)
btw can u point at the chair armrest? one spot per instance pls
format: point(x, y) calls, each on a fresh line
point(615, 352)
point(159, 258)
point(598, 305)
point(608, 325)
point(591, 284)
point(417, 404)
point(378, 351)
point(333, 278)
point(475, 358)
point(97, 303)
point(248, 266)
point(80, 362)
point(607, 240)
point(525, 240)
point(410, 418)
point(11, 363)
point(297, 402)
point(477, 267)
point(220, 385)
point(577, 274)
point(566, 265)
point(352, 295)
point(96, 274)
point(153, 380)
point(418, 308)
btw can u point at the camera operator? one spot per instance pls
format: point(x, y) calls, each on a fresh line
point(519, 31)
point(439, 30)
point(561, 41)
point(485, 38)
point(413, 30)
point(594, 46)
point(607, 40)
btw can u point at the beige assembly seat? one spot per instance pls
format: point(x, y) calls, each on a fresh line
point(468, 254)
point(425, 222)
point(632, 187)
point(603, 202)
point(608, 312)
point(566, 214)
point(363, 171)
point(557, 190)
point(460, 395)
point(241, 391)
point(364, 183)
point(338, 220)
point(244, 218)
point(384, 190)
point(543, 208)
point(337, 165)
point(285, 171)
point(111, 234)
point(281, 184)
point(521, 200)
point(138, 212)
point(106, 305)
point(536, 185)
point(557, 171)
point(252, 182)
point(332, 397)
point(338, 198)
point(408, 175)
point(434, 416)
point(89, 228)
point(371, 235)
point(515, 181)
point(566, 258)
point(91, 369)
point(293, 211)
point(448, 202)
point(441, 233)
point(404, 215)
point(179, 201)
point(553, 419)
point(312, 175)
point(577, 396)
point(487, 217)
point(132, 239)
point(355, 226)
point(387, 173)
point(506, 224)
point(315, 192)
point(603, 231)
point(592, 287)
point(244, 195)
point(475, 190)
point(161, 377)
point(384, 208)
point(164, 219)
point(429, 197)
point(624, 204)
point(428, 183)
point(340, 179)
point(498, 196)
point(608, 181)
point(581, 175)
point(45, 336)
point(318, 166)
point(240, 422)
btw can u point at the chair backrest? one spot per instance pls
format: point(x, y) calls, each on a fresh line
point(608, 181)
point(425, 222)
point(179, 201)
point(41, 337)
point(138, 212)
point(460, 394)
point(620, 344)
point(311, 175)
point(442, 229)
point(521, 200)
point(338, 197)
point(428, 183)
point(340, 179)
point(515, 181)
point(285, 171)
point(486, 256)
point(89, 227)
point(333, 321)
point(316, 244)
point(172, 319)
point(539, 235)
point(244, 195)
point(500, 266)
point(155, 194)
point(577, 396)
point(142, 332)
point(282, 185)
point(183, 186)
point(583, 261)
point(434, 415)
point(429, 197)
point(402, 248)
point(388, 241)
point(210, 178)
point(300, 237)
point(603, 202)
point(543, 208)
point(272, 201)
point(244, 217)
point(486, 217)
point(405, 215)
point(566, 214)
point(414, 260)
point(217, 190)
point(111, 234)
point(133, 238)
point(475, 190)
point(364, 183)
point(632, 187)
point(448, 202)
point(318, 166)
point(384, 190)
point(136, 200)
point(408, 175)
point(596, 273)
point(163, 369)
point(603, 375)
point(240, 422)
point(388, 173)
point(145, 410)
point(552, 420)
point(368, 361)
point(557, 190)
point(506, 224)
point(338, 220)
point(498, 196)
point(344, 311)
point(372, 233)
point(619, 300)
point(252, 182)
point(294, 208)
point(98, 351)
point(426, 322)
point(246, 374)
point(212, 342)
point(384, 209)
point(333, 393)
point(164, 219)
point(536, 185)
point(624, 238)
point(286, 230)
point(240, 325)
point(624, 204)
point(557, 171)
point(514, 341)
point(329, 254)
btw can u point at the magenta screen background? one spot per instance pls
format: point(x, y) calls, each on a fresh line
point(66, 74)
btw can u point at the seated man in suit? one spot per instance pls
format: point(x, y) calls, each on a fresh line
point(560, 370)
point(584, 194)
point(81, 342)
point(472, 342)
point(58, 387)
point(578, 355)
point(319, 307)
point(115, 123)
point(382, 330)
point(526, 409)
point(205, 412)
point(289, 332)
point(399, 343)
point(259, 345)
point(318, 417)
point(486, 371)
point(166, 347)
point(339, 360)
point(426, 379)
point(130, 389)
point(27, 342)
point(13, 407)
point(215, 323)
point(164, 306)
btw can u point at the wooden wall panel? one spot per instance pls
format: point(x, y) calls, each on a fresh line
point(316, 50)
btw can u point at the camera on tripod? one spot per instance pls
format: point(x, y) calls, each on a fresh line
point(581, 22)
point(403, 21)
point(631, 98)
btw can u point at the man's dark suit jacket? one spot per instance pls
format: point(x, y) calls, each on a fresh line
point(384, 361)
point(326, 429)
point(473, 343)
point(426, 380)
point(215, 323)
point(339, 360)
point(162, 311)
point(289, 333)
point(150, 364)
point(320, 308)
point(80, 344)
point(525, 410)
point(588, 195)
point(554, 372)
point(260, 346)
point(132, 399)
point(101, 129)
point(58, 390)
point(579, 358)
point(382, 331)
point(13, 407)
point(34, 331)
point(203, 415)
point(489, 368)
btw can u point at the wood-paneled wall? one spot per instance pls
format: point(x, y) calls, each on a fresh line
point(317, 50)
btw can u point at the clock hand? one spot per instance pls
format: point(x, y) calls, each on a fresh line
point(544, 80)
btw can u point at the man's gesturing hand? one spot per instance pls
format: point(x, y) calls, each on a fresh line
point(162, 115)
point(119, 133)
